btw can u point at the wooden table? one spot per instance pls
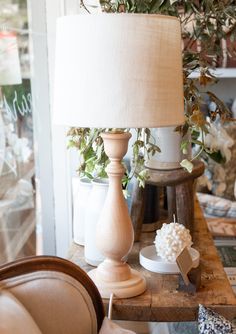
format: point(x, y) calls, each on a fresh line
point(161, 301)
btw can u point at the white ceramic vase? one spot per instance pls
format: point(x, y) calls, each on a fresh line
point(170, 156)
point(81, 193)
point(95, 204)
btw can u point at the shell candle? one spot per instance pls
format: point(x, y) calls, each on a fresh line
point(171, 239)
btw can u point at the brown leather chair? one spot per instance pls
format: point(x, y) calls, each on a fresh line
point(48, 295)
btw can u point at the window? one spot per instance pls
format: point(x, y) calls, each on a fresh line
point(17, 182)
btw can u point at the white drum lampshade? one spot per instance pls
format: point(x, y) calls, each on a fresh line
point(118, 71)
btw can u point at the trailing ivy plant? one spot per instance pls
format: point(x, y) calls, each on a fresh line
point(206, 25)
point(93, 159)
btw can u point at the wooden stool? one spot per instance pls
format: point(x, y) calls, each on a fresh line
point(180, 195)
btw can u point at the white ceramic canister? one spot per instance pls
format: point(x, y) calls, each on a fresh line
point(169, 141)
point(81, 192)
point(95, 204)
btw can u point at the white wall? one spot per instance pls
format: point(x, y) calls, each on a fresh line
point(225, 89)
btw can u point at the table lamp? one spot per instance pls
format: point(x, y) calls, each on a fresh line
point(118, 71)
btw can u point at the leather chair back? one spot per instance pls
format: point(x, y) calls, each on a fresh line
point(55, 294)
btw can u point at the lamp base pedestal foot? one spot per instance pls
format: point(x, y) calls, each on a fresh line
point(131, 287)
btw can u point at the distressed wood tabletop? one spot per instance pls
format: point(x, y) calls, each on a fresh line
point(161, 301)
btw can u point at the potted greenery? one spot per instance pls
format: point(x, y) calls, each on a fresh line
point(93, 160)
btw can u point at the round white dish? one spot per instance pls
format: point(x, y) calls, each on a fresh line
point(149, 260)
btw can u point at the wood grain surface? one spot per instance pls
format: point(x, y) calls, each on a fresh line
point(174, 176)
point(162, 301)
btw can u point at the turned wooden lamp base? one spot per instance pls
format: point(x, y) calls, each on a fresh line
point(131, 287)
point(115, 235)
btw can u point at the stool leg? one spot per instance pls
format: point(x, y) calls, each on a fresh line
point(137, 209)
point(185, 204)
point(171, 200)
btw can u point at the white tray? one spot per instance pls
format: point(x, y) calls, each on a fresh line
point(149, 260)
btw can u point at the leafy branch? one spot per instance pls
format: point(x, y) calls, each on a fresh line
point(93, 159)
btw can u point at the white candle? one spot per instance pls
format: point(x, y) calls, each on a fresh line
point(171, 239)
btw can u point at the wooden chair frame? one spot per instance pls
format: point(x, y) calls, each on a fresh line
point(52, 263)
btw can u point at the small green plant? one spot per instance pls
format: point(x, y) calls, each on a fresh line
point(93, 159)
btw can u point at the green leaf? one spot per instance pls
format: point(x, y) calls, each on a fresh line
point(187, 165)
point(184, 146)
point(88, 175)
point(194, 135)
point(217, 157)
point(197, 142)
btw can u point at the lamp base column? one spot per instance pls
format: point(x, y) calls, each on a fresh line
point(131, 287)
point(115, 235)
